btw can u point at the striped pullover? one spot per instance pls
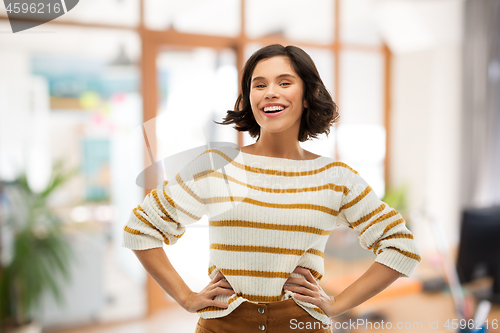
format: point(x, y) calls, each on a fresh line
point(268, 215)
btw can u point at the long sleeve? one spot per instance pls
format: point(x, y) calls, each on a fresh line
point(164, 213)
point(381, 228)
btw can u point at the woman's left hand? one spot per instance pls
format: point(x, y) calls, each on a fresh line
point(311, 292)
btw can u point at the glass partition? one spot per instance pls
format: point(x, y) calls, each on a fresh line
point(358, 24)
point(311, 23)
point(196, 86)
point(361, 132)
point(206, 17)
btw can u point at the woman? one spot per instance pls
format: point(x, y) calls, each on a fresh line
point(271, 212)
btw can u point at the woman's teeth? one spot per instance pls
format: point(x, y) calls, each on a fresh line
point(274, 108)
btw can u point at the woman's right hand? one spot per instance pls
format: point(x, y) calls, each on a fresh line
point(218, 286)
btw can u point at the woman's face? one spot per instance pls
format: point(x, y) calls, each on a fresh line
point(276, 96)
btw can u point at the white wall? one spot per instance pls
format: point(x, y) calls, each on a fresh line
point(426, 121)
point(425, 144)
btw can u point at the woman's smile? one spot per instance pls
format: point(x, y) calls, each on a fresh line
point(272, 110)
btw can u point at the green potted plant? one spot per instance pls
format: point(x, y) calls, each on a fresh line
point(396, 197)
point(39, 251)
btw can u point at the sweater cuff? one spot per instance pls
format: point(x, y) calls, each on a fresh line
point(140, 242)
point(397, 261)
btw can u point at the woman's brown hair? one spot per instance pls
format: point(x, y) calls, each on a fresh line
point(321, 113)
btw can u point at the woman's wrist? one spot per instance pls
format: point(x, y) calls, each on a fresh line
point(337, 306)
point(185, 297)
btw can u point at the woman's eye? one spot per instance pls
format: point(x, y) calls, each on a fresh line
point(285, 83)
point(260, 86)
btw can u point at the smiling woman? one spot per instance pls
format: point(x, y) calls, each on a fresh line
point(286, 77)
point(271, 210)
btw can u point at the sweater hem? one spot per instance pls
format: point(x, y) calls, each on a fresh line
point(397, 261)
point(140, 242)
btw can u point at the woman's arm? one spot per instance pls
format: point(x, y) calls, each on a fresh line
point(374, 280)
point(382, 230)
point(156, 263)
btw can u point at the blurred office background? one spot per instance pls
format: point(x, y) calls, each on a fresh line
point(416, 83)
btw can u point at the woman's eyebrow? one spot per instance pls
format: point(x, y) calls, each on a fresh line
point(279, 77)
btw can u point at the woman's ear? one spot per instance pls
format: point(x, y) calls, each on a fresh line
point(305, 104)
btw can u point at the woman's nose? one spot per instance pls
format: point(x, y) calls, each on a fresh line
point(271, 92)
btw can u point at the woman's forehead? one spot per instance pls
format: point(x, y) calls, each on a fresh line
point(273, 67)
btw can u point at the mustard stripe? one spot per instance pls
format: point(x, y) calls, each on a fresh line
point(277, 172)
point(376, 245)
point(393, 224)
point(368, 216)
point(272, 205)
point(314, 273)
point(217, 174)
point(132, 231)
point(179, 208)
point(410, 255)
point(258, 274)
point(167, 217)
point(269, 226)
point(150, 225)
point(142, 210)
point(316, 252)
point(380, 219)
point(210, 308)
point(202, 175)
point(187, 189)
point(231, 300)
point(357, 199)
point(145, 221)
point(262, 299)
point(252, 298)
point(318, 310)
point(264, 249)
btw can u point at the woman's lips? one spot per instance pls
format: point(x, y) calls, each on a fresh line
point(274, 114)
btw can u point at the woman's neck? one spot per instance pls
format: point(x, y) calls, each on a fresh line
point(293, 152)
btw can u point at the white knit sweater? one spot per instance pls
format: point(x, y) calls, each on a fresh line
point(267, 216)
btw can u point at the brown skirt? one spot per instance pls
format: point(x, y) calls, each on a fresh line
point(277, 317)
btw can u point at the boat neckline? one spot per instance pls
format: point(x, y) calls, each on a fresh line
point(282, 158)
